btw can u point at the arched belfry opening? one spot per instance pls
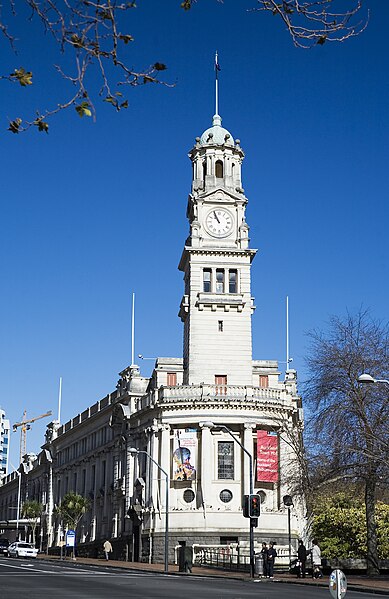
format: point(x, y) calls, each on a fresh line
point(219, 169)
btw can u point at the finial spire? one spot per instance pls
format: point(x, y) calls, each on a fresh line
point(216, 118)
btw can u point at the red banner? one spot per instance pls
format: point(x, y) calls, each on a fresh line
point(267, 456)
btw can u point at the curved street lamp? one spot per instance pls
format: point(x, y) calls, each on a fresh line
point(367, 378)
point(134, 451)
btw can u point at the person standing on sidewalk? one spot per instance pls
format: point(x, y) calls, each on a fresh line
point(263, 553)
point(271, 556)
point(107, 549)
point(316, 560)
point(302, 558)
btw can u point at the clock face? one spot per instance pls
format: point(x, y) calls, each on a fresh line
point(219, 222)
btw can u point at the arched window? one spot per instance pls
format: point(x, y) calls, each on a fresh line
point(204, 169)
point(219, 169)
point(233, 170)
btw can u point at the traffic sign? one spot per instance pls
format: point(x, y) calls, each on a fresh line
point(338, 584)
point(70, 538)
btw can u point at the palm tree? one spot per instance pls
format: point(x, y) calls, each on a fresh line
point(71, 509)
point(32, 510)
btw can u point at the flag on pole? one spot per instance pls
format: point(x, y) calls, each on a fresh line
point(217, 65)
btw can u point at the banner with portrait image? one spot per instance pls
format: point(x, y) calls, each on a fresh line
point(184, 454)
point(267, 456)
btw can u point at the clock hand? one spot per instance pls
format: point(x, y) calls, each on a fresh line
point(216, 217)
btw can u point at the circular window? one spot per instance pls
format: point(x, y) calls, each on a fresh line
point(225, 496)
point(188, 495)
point(262, 496)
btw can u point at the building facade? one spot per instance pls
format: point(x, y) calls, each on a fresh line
point(192, 415)
point(4, 443)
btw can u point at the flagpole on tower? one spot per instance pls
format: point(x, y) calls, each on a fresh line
point(133, 330)
point(217, 68)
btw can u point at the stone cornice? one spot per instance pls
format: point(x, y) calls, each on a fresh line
point(207, 251)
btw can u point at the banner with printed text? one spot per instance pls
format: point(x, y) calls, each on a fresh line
point(267, 456)
point(184, 454)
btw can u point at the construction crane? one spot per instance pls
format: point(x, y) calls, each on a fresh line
point(25, 426)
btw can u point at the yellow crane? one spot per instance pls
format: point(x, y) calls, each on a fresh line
point(25, 426)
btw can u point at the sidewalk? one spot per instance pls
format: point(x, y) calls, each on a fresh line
point(358, 583)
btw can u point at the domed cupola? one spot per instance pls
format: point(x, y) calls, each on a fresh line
point(217, 160)
point(216, 135)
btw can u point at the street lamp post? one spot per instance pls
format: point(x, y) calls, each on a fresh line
point(210, 424)
point(367, 378)
point(135, 451)
point(18, 508)
point(288, 502)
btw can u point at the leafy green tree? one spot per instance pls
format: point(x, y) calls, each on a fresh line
point(72, 508)
point(349, 426)
point(340, 524)
point(32, 511)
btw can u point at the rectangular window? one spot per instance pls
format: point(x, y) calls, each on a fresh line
point(232, 281)
point(171, 379)
point(225, 460)
point(207, 280)
point(103, 473)
point(263, 380)
point(83, 485)
point(221, 384)
point(219, 280)
point(220, 326)
point(93, 479)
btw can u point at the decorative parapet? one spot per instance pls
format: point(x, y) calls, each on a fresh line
point(86, 414)
point(224, 395)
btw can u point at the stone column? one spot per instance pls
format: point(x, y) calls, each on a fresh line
point(207, 464)
point(165, 458)
point(50, 507)
point(157, 474)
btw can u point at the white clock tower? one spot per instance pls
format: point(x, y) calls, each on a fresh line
point(217, 305)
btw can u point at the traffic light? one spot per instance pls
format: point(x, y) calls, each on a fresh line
point(246, 506)
point(254, 506)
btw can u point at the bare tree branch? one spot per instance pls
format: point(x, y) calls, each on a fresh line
point(312, 22)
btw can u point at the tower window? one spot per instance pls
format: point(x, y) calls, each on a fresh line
point(220, 326)
point(219, 280)
point(207, 280)
point(225, 460)
point(171, 379)
point(204, 169)
point(219, 169)
point(232, 281)
point(263, 380)
point(221, 384)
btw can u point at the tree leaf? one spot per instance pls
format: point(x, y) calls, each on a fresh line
point(14, 126)
point(24, 77)
point(126, 38)
point(42, 125)
point(159, 66)
point(83, 109)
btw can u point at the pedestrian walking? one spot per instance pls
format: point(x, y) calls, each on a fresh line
point(302, 560)
point(271, 556)
point(107, 548)
point(316, 560)
point(263, 553)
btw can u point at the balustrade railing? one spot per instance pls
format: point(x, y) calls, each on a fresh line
point(222, 392)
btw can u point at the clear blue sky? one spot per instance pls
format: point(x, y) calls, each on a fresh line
point(92, 212)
